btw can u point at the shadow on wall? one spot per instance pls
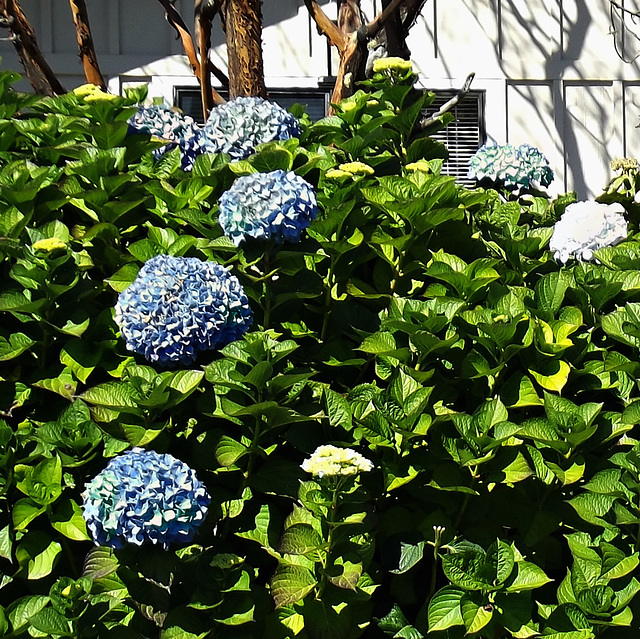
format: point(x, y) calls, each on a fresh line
point(126, 34)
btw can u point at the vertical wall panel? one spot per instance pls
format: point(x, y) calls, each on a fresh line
point(531, 119)
point(63, 32)
point(589, 136)
point(143, 28)
point(632, 119)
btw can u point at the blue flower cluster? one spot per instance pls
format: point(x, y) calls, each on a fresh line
point(276, 205)
point(513, 167)
point(171, 125)
point(142, 496)
point(238, 126)
point(179, 306)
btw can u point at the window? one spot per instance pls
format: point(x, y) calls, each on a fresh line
point(465, 135)
point(316, 101)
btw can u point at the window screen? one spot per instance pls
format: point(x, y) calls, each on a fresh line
point(465, 135)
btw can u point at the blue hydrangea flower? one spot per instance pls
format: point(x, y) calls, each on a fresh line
point(585, 227)
point(238, 126)
point(179, 306)
point(144, 497)
point(513, 167)
point(277, 205)
point(168, 124)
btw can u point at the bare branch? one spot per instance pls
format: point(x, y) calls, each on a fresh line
point(373, 27)
point(39, 73)
point(326, 26)
point(448, 105)
point(86, 48)
point(635, 14)
point(176, 21)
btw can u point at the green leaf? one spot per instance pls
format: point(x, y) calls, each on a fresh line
point(267, 160)
point(260, 533)
point(552, 375)
point(444, 609)
point(6, 543)
point(24, 512)
point(526, 576)
point(51, 622)
point(550, 291)
point(38, 554)
point(410, 555)
point(300, 539)
point(345, 574)
point(501, 558)
point(100, 562)
point(475, 616)
point(22, 611)
point(229, 451)
point(68, 520)
point(117, 395)
point(290, 583)
point(17, 344)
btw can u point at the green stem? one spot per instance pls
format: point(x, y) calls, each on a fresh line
point(333, 509)
point(438, 530)
point(327, 302)
point(266, 291)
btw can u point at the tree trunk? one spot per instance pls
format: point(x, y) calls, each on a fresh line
point(38, 72)
point(85, 44)
point(244, 47)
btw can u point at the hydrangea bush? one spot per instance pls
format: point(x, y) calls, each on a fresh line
point(169, 124)
point(511, 167)
point(585, 227)
point(179, 306)
point(238, 126)
point(414, 421)
point(144, 497)
point(276, 205)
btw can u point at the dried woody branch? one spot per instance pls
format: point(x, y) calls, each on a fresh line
point(448, 105)
point(21, 33)
point(86, 48)
point(350, 36)
point(176, 21)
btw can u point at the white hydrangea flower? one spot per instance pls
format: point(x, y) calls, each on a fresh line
point(333, 461)
point(585, 227)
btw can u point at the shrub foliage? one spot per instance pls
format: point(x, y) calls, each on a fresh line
point(425, 326)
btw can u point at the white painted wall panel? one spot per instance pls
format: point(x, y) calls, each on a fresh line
point(532, 119)
point(592, 135)
point(631, 93)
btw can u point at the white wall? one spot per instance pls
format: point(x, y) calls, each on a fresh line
point(550, 71)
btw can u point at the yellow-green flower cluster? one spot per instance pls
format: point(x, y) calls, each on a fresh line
point(331, 461)
point(393, 65)
point(92, 93)
point(624, 164)
point(350, 169)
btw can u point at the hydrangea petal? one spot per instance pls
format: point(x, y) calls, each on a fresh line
point(513, 167)
point(128, 502)
point(585, 227)
point(276, 205)
point(238, 126)
point(180, 306)
point(331, 461)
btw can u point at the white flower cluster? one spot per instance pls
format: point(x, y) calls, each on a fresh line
point(585, 227)
point(333, 461)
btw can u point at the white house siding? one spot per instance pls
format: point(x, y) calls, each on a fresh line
point(550, 71)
